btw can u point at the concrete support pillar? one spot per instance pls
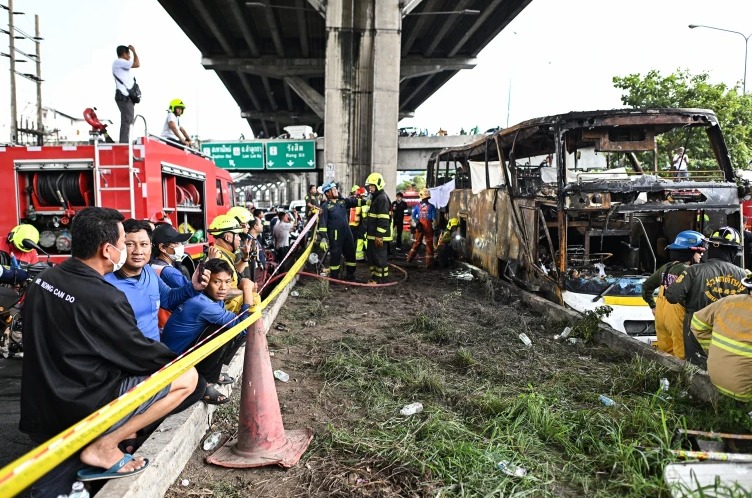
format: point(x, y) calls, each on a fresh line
point(362, 90)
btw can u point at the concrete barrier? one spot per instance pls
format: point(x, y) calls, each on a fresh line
point(171, 446)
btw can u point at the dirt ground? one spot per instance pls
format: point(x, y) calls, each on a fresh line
point(356, 355)
point(308, 400)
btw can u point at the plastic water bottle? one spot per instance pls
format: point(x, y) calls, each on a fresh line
point(565, 333)
point(281, 376)
point(606, 400)
point(411, 409)
point(525, 339)
point(78, 491)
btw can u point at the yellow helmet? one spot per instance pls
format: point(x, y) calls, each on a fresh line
point(240, 213)
point(376, 180)
point(354, 189)
point(453, 222)
point(424, 193)
point(175, 103)
point(223, 224)
point(22, 232)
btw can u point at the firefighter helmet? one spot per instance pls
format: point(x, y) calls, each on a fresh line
point(424, 193)
point(376, 180)
point(22, 232)
point(240, 213)
point(354, 189)
point(223, 224)
point(175, 103)
point(688, 239)
point(726, 236)
point(453, 222)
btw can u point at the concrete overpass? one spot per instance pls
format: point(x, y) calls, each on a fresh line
point(350, 68)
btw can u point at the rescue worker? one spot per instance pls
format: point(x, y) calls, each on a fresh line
point(242, 256)
point(706, 283)
point(335, 231)
point(14, 244)
point(398, 208)
point(445, 251)
point(686, 251)
point(356, 226)
point(378, 229)
point(424, 218)
point(312, 200)
point(226, 232)
point(723, 330)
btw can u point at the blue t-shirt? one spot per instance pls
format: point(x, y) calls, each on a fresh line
point(189, 319)
point(170, 275)
point(146, 294)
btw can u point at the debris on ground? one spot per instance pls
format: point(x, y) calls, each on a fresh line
point(411, 409)
point(281, 376)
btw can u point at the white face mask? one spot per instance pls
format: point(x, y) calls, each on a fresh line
point(121, 262)
point(179, 253)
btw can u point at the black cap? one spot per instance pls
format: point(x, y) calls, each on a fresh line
point(166, 234)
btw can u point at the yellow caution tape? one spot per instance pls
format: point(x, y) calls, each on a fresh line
point(624, 300)
point(25, 470)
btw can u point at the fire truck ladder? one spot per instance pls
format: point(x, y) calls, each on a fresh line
point(102, 170)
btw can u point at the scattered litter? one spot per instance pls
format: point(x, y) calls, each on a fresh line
point(525, 339)
point(511, 470)
point(664, 384)
point(281, 326)
point(310, 323)
point(606, 400)
point(361, 481)
point(565, 333)
point(294, 293)
point(280, 375)
point(271, 353)
point(185, 482)
point(411, 409)
point(573, 340)
point(462, 275)
point(585, 358)
point(211, 442)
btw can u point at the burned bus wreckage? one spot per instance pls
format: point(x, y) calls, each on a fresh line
point(580, 207)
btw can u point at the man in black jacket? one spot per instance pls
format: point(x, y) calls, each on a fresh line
point(398, 218)
point(334, 230)
point(378, 229)
point(83, 349)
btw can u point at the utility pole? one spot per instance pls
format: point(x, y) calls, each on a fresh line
point(38, 42)
point(12, 56)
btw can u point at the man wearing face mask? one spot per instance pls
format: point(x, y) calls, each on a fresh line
point(83, 349)
point(168, 253)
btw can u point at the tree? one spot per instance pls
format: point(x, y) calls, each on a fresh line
point(681, 89)
point(416, 182)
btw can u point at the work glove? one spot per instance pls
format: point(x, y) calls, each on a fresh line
point(324, 244)
point(378, 241)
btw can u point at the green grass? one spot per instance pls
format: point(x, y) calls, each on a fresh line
point(569, 443)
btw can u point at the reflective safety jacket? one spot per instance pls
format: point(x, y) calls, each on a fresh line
point(335, 215)
point(724, 330)
point(378, 221)
point(355, 215)
point(706, 283)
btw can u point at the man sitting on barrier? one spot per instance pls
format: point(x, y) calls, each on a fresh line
point(83, 349)
point(200, 316)
point(146, 292)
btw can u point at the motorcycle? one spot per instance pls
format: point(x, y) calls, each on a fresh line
point(14, 281)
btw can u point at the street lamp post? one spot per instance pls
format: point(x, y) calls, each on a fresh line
point(746, 47)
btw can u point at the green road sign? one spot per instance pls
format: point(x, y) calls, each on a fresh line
point(236, 155)
point(290, 154)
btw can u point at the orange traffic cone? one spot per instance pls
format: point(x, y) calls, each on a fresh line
point(261, 440)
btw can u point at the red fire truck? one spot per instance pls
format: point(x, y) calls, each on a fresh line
point(46, 186)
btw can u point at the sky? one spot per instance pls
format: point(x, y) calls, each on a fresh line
point(556, 56)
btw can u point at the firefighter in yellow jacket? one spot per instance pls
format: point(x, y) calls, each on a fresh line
point(724, 330)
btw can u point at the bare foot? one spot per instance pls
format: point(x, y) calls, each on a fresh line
point(99, 455)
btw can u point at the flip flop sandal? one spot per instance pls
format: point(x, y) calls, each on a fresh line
point(214, 397)
point(225, 379)
point(97, 473)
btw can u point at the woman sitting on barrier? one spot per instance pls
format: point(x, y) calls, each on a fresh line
point(201, 316)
